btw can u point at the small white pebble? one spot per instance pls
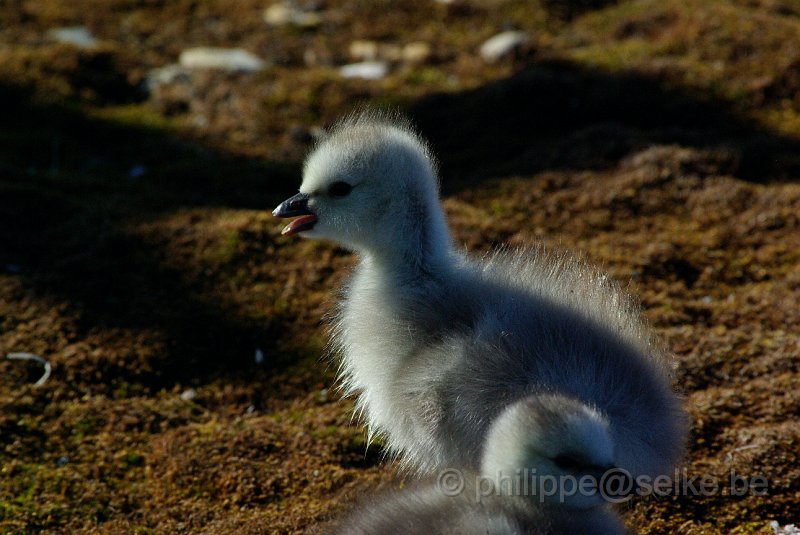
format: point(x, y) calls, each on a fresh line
point(283, 14)
point(189, 394)
point(278, 15)
point(416, 52)
point(229, 59)
point(501, 45)
point(363, 50)
point(167, 75)
point(79, 36)
point(367, 70)
point(259, 358)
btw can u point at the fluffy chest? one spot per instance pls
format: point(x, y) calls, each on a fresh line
point(375, 340)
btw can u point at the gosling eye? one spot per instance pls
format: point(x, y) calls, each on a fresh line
point(569, 462)
point(339, 189)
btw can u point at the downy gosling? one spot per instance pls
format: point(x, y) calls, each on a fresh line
point(460, 361)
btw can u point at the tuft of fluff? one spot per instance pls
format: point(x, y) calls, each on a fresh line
point(426, 510)
point(435, 345)
point(432, 364)
point(366, 126)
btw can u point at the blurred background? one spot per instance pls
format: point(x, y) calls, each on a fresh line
point(144, 143)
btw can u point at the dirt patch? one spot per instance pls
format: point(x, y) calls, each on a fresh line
point(657, 139)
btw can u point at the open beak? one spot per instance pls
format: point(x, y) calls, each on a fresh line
point(293, 207)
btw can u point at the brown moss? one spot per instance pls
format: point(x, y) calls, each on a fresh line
point(141, 286)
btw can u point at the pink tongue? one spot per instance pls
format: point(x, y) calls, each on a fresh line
point(300, 224)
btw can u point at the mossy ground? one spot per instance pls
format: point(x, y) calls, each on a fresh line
point(658, 139)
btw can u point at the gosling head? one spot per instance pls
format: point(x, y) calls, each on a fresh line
point(369, 185)
point(560, 446)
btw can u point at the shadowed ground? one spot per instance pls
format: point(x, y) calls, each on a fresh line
point(137, 253)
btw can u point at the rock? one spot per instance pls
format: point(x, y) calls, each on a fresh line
point(364, 50)
point(374, 51)
point(390, 52)
point(278, 15)
point(62, 461)
point(417, 52)
point(259, 358)
point(284, 14)
point(79, 36)
point(502, 45)
point(189, 394)
point(229, 59)
point(169, 75)
point(368, 70)
point(170, 89)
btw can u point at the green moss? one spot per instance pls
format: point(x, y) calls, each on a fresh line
point(224, 248)
point(139, 115)
point(613, 56)
point(426, 76)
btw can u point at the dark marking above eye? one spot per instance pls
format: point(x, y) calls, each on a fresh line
point(339, 189)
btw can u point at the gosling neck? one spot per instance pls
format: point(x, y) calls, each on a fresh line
point(424, 253)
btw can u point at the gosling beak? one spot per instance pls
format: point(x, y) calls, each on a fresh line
point(296, 206)
point(617, 484)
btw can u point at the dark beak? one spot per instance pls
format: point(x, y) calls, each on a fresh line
point(293, 207)
point(619, 485)
point(296, 206)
